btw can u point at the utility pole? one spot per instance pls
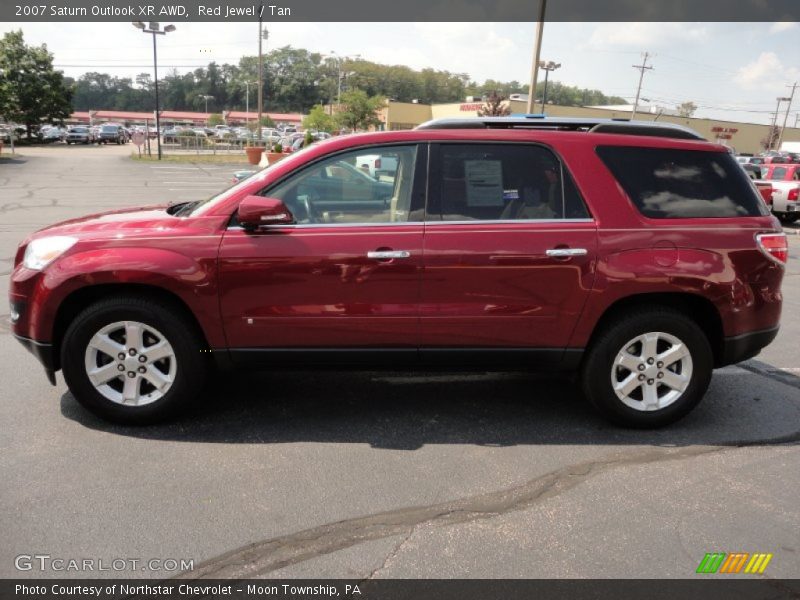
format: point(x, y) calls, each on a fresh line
point(260, 73)
point(537, 51)
point(771, 137)
point(642, 68)
point(786, 115)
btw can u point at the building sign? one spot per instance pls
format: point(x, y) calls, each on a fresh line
point(474, 106)
point(724, 133)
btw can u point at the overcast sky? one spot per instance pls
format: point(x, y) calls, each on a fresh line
point(732, 71)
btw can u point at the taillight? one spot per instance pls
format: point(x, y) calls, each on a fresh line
point(793, 194)
point(377, 163)
point(774, 245)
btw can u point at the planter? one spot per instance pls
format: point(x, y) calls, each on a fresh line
point(273, 157)
point(254, 154)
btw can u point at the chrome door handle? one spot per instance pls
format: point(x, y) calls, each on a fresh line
point(388, 254)
point(566, 252)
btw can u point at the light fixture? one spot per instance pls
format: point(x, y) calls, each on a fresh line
point(138, 25)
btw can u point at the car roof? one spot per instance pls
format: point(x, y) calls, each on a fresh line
point(588, 125)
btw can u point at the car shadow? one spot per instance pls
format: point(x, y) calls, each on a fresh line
point(409, 410)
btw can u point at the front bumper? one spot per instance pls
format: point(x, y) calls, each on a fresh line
point(44, 352)
point(747, 345)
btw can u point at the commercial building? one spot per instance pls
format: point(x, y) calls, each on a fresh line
point(743, 137)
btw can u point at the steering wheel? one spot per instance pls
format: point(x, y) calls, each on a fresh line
point(308, 205)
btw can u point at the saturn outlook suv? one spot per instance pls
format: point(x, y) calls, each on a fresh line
point(637, 254)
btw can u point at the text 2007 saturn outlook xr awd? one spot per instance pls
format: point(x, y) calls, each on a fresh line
point(635, 253)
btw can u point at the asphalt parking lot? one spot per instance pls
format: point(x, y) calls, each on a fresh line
point(380, 474)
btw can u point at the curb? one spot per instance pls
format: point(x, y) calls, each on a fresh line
point(791, 231)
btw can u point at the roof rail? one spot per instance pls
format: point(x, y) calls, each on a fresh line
point(589, 125)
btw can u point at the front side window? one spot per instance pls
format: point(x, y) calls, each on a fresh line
point(667, 183)
point(502, 182)
point(346, 189)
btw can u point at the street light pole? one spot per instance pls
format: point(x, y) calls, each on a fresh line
point(547, 66)
point(155, 29)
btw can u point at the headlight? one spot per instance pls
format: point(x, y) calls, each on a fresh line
point(42, 251)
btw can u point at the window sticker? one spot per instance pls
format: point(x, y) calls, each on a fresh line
point(484, 182)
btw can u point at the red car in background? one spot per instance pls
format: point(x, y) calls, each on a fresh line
point(636, 253)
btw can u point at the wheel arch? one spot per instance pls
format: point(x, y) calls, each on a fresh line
point(79, 299)
point(699, 309)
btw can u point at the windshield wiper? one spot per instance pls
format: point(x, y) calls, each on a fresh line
point(176, 210)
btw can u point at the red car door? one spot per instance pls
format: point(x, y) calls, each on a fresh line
point(509, 254)
point(344, 277)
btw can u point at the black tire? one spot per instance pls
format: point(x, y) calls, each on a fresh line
point(598, 366)
point(169, 320)
point(788, 218)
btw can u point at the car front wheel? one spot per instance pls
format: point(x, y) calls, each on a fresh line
point(133, 360)
point(649, 368)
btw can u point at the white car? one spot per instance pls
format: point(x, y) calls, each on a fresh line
point(377, 164)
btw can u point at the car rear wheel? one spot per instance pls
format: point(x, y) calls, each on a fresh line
point(649, 368)
point(133, 360)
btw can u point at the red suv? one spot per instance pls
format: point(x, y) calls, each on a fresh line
point(637, 253)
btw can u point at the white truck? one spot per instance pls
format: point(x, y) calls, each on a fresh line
point(785, 181)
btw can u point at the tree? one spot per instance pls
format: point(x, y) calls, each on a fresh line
point(318, 120)
point(32, 91)
point(495, 106)
point(215, 119)
point(359, 111)
point(687, 109)
point(771, 139)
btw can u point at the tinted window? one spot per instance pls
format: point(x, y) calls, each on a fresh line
point(778, 174)
point(337, 190)
point(491, 182)
point(665, 183)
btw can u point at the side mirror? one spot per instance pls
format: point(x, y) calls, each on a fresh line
point(256, 211)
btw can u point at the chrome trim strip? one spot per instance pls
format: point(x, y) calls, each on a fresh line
point(426, 223)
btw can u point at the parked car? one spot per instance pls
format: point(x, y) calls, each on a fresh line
point(377, 165)
point(638, 254)
point(785, 182)
point(112, 134)
point(239, 176)
point(81, 135)
point(53, 134)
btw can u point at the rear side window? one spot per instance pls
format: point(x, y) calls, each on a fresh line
point(669, 184)
point(501, 182)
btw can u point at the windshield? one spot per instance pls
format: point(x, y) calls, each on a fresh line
point(79, 130)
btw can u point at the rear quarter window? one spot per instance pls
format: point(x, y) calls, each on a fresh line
point(670, 183)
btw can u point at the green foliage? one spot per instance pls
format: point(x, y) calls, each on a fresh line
point(308, 139)
point(319, 120)
point(359, 111)
point(277, 148)
point(215, 119)
point(31, 90)
point(296, 80)
point(267, 121)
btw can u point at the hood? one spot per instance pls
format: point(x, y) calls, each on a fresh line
point(126, 221)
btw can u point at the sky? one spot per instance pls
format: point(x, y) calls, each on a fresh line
point(732, 71)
